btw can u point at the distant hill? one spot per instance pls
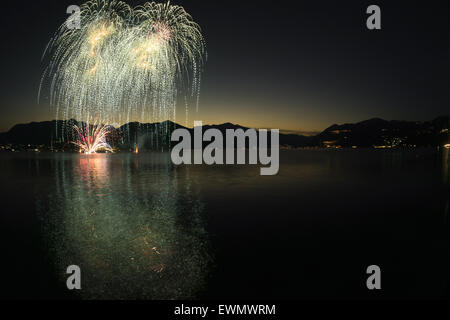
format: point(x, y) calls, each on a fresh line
point(368, 133)
point(379, 132)
point(31, 133)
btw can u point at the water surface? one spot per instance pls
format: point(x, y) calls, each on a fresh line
point(140, 227)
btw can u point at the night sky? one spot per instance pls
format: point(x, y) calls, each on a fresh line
point(294, 65)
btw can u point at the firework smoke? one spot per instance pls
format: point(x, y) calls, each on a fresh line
point(124, 64)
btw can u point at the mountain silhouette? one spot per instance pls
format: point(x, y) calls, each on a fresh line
point(368, 133)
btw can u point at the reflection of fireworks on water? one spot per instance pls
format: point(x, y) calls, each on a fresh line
point(92, 138)
point(136, 234)
point(124, 64)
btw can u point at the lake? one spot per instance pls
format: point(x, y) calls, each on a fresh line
point(142, 228)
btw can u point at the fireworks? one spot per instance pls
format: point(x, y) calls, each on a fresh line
point(92, 138)
point(124, 64)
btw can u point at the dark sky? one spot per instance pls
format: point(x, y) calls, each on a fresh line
point(294, 65)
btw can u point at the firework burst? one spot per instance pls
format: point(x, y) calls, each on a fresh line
point(124, 64)
point(92, 138)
